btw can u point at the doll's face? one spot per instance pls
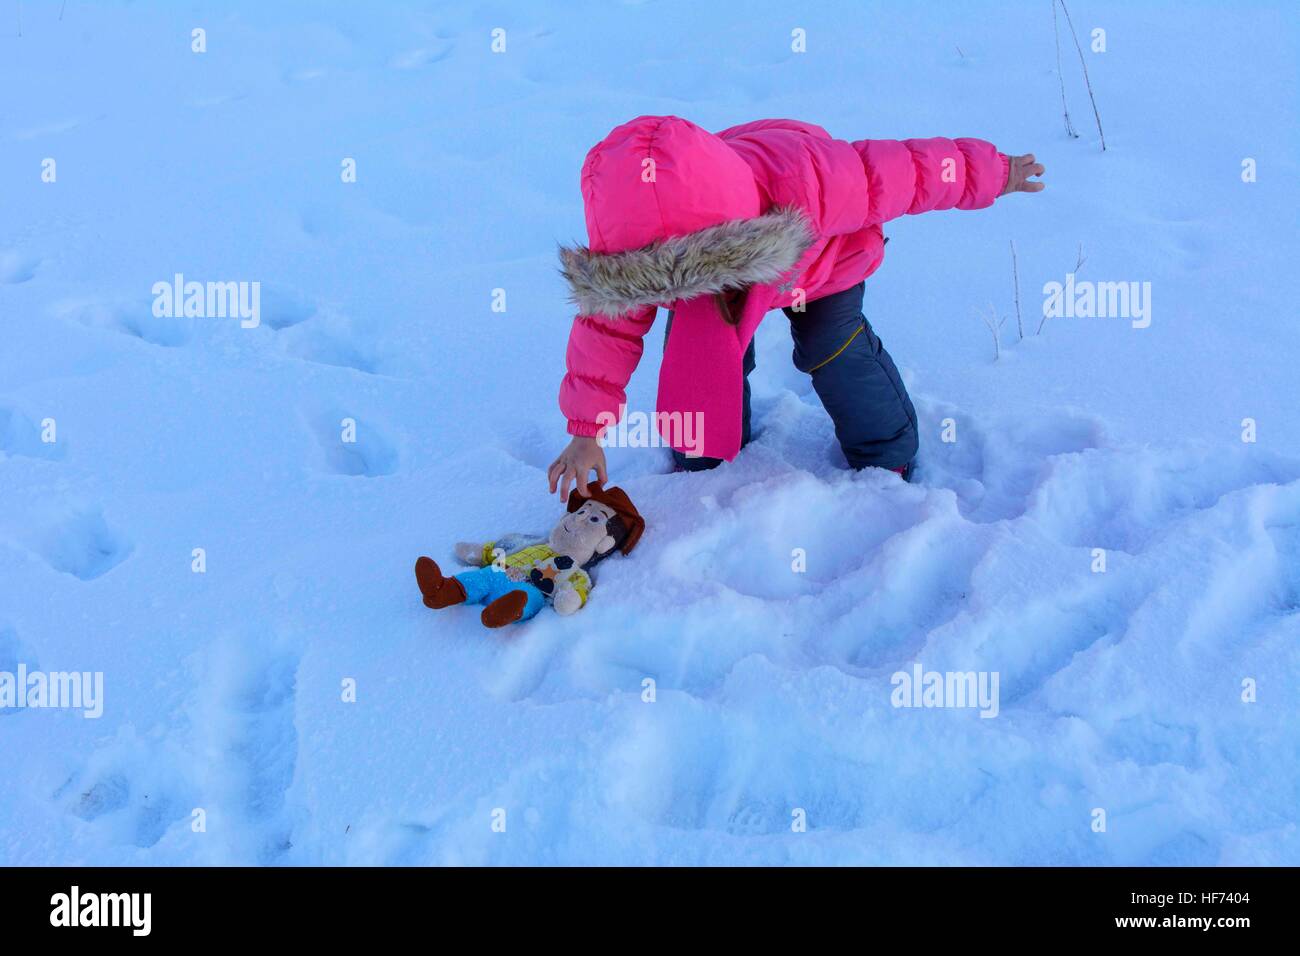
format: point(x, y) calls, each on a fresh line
point(583, 534)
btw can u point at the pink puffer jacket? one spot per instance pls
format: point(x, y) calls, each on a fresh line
point(778, 207)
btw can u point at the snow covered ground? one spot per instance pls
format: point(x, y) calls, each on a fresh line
point(1120, 691)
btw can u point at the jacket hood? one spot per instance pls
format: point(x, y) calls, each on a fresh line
point(730, 255)
point(673, 212)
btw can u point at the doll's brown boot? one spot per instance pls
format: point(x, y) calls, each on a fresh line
point(506, 609)
point(438, 592)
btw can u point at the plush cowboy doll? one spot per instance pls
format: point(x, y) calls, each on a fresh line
point(516, 575)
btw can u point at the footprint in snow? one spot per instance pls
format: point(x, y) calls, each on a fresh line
point(303, 75)
point(282, 307)
point(421, 57)
point(220, 99)
point(82, 544)
point(352, 444)
point(12, 653)
point(16, 266)
point(313, 332)
point(246, 715)
point(332, 342)
point(132, 814)
point(237, 767)
point(996, 467)
point(317, 221)
point(721, 547)
point(52, 129)
point(131, 791)
point(20, 435)
point(755, 820)
point(134, 319)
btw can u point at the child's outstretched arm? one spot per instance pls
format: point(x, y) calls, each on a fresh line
point(603, 353)
point(907, 177)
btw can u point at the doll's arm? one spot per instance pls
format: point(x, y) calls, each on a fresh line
point(475, 555)
point(572, 593)
point(567, 600)
point(481, 555)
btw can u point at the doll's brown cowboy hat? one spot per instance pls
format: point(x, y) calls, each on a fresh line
point(617, 500)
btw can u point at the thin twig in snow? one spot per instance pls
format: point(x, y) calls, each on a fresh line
point(1087, 82)
point(1079, 260)
point(1015, 278)
point(994, 325)
point(1069, 127)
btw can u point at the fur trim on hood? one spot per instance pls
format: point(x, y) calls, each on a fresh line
point(730, 255)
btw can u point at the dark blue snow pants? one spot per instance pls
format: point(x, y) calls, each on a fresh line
point(853, 376)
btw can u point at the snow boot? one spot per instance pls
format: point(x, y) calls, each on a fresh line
point(438, 592)
point(506, 609)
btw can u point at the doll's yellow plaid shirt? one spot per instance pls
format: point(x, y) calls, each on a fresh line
point(537, 556)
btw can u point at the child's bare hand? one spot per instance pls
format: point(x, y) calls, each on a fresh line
point(1020, 168)
point(574, 465)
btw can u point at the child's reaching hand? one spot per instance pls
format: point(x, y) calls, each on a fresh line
point(1019, 169)
point(576, 464)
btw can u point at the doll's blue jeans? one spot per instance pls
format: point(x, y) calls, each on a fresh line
point(485, 585)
